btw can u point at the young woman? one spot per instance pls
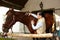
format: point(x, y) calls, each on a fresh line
point(40, 26)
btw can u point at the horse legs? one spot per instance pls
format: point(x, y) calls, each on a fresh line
point(42, 38)
point(35, 38)
point(39, 38)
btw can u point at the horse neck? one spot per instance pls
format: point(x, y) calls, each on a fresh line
point(21, 17)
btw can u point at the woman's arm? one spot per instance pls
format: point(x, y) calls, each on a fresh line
point(39, 24)
point(33, 15)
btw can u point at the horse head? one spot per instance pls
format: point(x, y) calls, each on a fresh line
point(8, 22)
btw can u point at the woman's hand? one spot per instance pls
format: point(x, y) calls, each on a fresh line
point(32, 22)
point(30, 13)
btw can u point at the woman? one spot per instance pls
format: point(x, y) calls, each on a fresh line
point(40, 26)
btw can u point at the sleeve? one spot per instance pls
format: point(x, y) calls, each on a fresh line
point(34, 15)
point(39, 24)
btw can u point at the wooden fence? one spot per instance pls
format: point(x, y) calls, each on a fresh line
point(47, 35)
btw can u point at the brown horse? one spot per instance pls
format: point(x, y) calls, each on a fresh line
point(14, 16)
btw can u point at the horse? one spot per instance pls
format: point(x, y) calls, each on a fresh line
point(14, 16)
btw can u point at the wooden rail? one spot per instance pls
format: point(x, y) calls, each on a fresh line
point(47, 35)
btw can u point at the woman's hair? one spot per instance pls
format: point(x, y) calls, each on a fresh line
point(40, 13)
